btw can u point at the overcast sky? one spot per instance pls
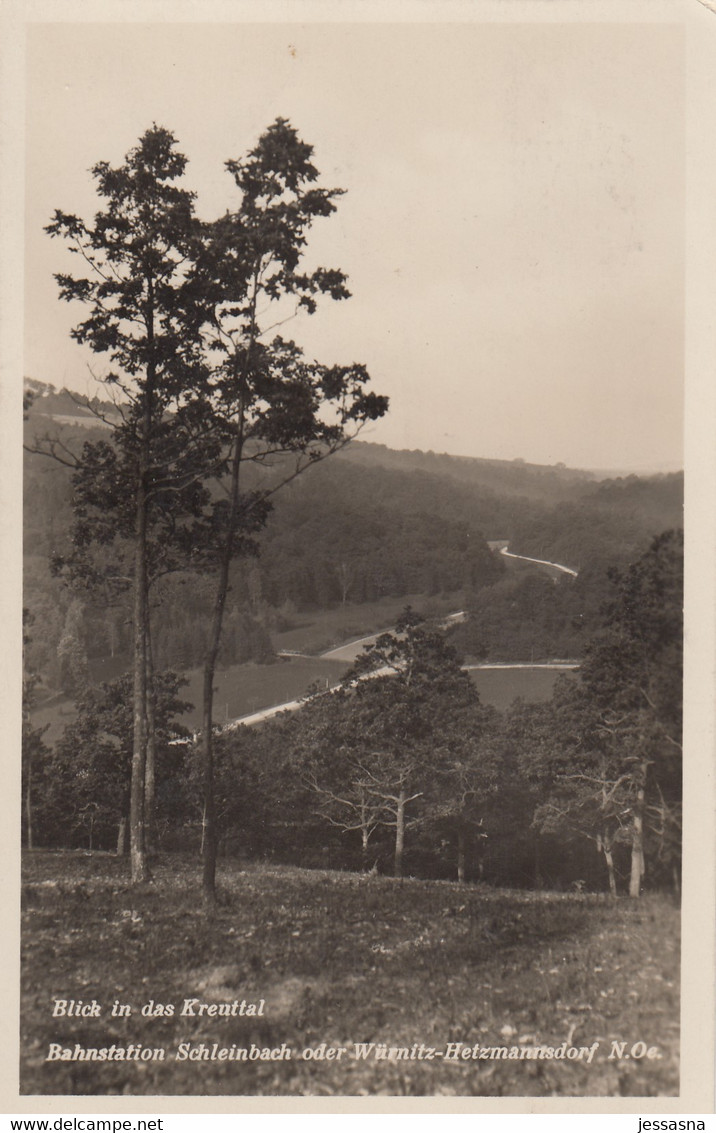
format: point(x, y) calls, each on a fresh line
point(512, 227)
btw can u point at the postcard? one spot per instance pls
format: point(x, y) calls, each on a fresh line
point(356, 377)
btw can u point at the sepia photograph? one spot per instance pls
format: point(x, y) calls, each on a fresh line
point(353, 417)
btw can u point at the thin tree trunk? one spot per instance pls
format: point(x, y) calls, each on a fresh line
point(209, 832)
point(539, 880)
point(604, 846)
point(149, 769)
point(399, 835)
point(637, 857)
point(460, 854)
point(28, 805)
point(364, 833)
point(137, 848)
point(609, 859)
point(227, 551)
point(121, 837)
point(637, 843)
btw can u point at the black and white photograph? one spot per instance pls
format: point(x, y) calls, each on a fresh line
point(354, 380)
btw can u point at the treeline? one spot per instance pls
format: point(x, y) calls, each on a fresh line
point(409, 772)
point(546, 484)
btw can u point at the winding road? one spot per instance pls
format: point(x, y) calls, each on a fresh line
point(539, 562)
point(349, 651)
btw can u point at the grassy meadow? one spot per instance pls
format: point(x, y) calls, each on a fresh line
point(247, 688)
point(342, 959)
point(500, 687)
point(243, 689)
point(321, 630)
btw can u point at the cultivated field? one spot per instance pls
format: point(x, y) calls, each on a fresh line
point(341, 959)
point(243, 689)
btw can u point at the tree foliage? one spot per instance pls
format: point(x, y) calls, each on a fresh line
point(403, 699)
point(87, 779)
point(174, 302)
point(605, 754)
point(267, 398)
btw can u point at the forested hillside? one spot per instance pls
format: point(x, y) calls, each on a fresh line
point(536, 482)
point(367, 525)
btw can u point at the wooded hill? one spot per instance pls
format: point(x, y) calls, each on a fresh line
point(368, 524)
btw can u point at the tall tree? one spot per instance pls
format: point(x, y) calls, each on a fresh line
point(145, 315)
point(633, 674)
point(271, 401)
point(200, 392)
point(605, 755)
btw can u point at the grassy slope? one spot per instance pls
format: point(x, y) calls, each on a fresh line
point(343, 959)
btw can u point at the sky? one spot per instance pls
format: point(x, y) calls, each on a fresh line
point(512, 227)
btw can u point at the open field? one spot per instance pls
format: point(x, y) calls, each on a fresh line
point(243, 689)
point(324, 629)
point(500, 687)
point(343, 959)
